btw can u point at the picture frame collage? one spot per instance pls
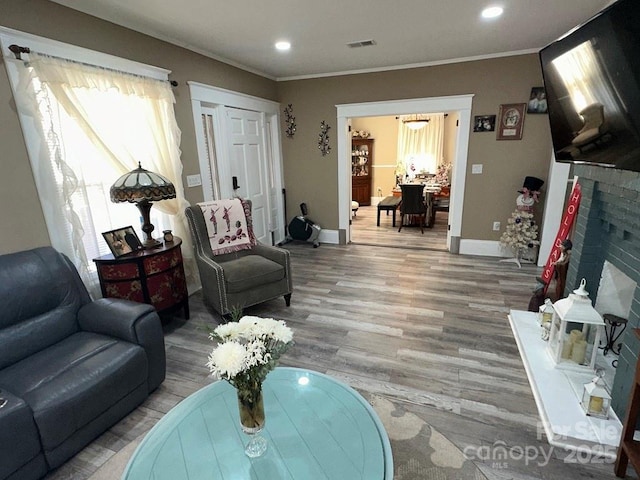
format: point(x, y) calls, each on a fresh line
point(509, 122)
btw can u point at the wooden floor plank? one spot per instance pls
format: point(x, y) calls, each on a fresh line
point(422, 327)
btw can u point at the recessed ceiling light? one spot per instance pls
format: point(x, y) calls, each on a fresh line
point(492, 12)
point(283, 46)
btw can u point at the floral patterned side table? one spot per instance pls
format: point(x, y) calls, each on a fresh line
point(155, 276)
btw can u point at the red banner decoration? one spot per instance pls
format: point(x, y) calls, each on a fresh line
point(563, 233)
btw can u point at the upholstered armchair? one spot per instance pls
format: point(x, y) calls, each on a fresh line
point(241, 278)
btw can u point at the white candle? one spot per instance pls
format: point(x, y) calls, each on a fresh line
point(595, 405)
point(579, 351)
point(576, 335)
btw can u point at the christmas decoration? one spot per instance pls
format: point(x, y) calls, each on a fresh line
point(442, 174)
point(521, 234)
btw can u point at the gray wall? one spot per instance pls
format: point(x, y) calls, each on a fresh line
point(309, 177)
point(21, 218)
point(608, 228)
point(312, 178)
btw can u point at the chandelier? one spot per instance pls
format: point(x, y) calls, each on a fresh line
point(415, 122)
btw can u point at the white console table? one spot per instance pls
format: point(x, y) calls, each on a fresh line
point(558, 393)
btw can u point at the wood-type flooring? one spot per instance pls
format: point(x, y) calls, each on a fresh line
point(364, 231)
point(422, 327)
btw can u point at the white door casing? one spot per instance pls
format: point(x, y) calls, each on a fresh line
point(217, 157)
point(210, 175)
point(459, 103)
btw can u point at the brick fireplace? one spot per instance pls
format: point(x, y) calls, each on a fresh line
point(608, 229)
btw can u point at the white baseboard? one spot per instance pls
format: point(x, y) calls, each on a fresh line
point(329, 236)
point(486, 248)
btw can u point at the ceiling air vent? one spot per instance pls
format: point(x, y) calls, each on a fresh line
point(361, 43)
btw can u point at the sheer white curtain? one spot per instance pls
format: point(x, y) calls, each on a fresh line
point(94, 125)
point(421, 151)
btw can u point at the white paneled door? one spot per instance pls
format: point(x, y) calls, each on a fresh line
point(248, 165)
point(241, 138)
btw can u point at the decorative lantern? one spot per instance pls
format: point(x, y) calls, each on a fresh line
point(595, 397)
point(575, 333)
point(546, 315)
point(546, 312)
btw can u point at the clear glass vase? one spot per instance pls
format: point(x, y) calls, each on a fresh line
point(252, 419)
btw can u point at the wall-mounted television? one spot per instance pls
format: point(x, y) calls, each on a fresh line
point(592, 85)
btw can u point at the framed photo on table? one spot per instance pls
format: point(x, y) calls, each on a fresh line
point(511, 121)
point(122, 241)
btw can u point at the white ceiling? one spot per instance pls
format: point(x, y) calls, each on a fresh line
point(406, 32)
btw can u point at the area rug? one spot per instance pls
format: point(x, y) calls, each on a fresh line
point(420, 452)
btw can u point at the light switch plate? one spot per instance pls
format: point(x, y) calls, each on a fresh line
point(476, 168)
point(194, 180)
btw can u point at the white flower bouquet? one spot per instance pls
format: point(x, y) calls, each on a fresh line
point(248, 350)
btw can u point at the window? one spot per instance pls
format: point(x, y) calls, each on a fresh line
point(420, 150)
point(84, 127)
point(93, 175)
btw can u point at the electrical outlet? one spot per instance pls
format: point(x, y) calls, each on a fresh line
point(496, 226)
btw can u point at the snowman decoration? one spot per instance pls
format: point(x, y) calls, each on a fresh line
point(521, 234)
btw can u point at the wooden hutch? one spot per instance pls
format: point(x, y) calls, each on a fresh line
point(361, 169)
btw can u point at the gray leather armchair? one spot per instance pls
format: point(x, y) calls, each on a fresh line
point(70, 368)
point(239, 279)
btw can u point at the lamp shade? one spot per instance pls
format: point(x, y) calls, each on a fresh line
point(142, 187)
point(141, 184)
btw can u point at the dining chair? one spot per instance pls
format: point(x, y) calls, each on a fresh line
point(413, 203)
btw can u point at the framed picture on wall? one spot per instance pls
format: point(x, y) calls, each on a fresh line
point(511, 121)
point(484, 123)
point(537, 101)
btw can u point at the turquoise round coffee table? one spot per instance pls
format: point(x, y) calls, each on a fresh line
point(317, 428)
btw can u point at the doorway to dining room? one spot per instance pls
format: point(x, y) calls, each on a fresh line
point(398, 154)
point(346, 113)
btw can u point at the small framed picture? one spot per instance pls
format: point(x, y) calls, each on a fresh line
point(484, 123)
point(537, 101)
point(122, 241)
point(511, 121)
